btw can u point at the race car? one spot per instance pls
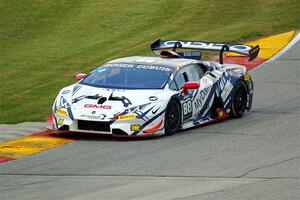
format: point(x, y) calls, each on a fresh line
point(154, 96)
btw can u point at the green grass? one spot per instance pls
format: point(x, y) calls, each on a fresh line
point(44, 43)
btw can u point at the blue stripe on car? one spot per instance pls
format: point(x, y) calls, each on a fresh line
point(148, 122)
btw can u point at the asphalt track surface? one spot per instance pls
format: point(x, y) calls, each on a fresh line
point(255, 157)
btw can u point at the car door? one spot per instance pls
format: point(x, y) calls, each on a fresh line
point(192, 104)
point(204, 98)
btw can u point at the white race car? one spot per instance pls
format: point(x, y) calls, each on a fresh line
point(153, 96)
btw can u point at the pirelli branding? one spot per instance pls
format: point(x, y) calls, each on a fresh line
point(126, 117)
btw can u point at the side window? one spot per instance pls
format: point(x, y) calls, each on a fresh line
point(201, 70)
point(192, 73)
point(185, 74)
point(179, 79)
point(173, 85)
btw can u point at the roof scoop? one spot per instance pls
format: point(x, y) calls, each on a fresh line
point(96, 96)
point(169, 54)
point(102, 100)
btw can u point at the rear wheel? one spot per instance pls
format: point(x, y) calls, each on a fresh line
point(172, 117)
point(239, 100)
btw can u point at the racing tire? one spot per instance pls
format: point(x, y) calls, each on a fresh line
point(172, 117)
point(239, 100)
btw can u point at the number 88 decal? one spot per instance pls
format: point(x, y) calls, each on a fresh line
point(187, 109)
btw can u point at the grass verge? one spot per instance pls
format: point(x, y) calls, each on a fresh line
point(44, 44)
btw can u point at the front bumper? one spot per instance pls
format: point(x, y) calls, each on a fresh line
point(115, 127)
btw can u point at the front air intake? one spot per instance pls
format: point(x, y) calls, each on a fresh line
point(93, 126)
point(64, 128)
point(118, 132)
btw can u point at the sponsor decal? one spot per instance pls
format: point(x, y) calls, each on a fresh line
point(116, 115)
point(99, 117)
point(153, 98)
point(192, 55)
point(206, 45)
point(198, 103)
point(220, 112)
point(155, 111)
point(154, 67)
point(128, 116)
point(60, 122)
point(62, 111)
point(140, 66)
point(222, 82)
point(135, 127)
point(246, 77)
point(97, 106)
point(187, 108)
point(66, 91)
point(226, 91)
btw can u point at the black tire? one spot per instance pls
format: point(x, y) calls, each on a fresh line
point(172, 117)
point(239, 100)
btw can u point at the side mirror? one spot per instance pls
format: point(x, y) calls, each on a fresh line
point(80, 76)
point(188, 86)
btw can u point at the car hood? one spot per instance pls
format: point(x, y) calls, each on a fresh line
point(85, 101)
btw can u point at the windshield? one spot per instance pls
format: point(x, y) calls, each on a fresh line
point(129, 76)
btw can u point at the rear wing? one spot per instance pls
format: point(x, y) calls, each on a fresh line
point(242, 49)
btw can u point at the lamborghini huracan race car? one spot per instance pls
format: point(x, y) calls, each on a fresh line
point(152, 96)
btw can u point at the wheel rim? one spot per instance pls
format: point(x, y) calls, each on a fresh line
point(172, 117)
point(240, 100)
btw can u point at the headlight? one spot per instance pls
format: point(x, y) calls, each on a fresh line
point(62, 112)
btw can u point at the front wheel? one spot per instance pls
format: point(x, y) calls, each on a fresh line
point(172, 117)
point(239, 100)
